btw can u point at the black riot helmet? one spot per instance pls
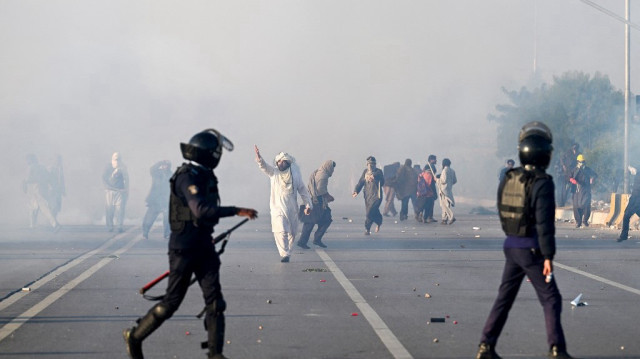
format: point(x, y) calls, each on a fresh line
point(205, 148)
point(534, 147)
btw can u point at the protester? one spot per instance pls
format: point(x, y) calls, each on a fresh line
point(406, 182)
point(432, 161)
point(286, 181)
point(445, 182)
point(426, 194)
point(37, 186)
point(321, 213)
point(389, 189)
point(507, 166)
point(158, 198)
point(567, 164)
point(633, 207)
point(116, 186)
point(371, 182)
point(582, 178)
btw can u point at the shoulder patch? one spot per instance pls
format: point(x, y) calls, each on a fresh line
point(193, 189)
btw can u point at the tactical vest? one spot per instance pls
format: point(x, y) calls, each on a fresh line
point(179, 212)
point(514, 202)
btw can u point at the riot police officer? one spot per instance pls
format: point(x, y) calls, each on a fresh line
point(527, 213)
point(194, 209)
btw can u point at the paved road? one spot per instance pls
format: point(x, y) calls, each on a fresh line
point(363, 297)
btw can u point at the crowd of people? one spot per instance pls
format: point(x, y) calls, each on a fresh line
point(190, 203)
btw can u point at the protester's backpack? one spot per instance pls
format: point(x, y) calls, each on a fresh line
point(514, 196)
point(424, 189)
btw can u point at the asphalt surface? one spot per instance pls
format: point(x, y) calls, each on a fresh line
point(362, 297)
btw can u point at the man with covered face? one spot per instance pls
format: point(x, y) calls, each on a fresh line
point(116, 185)
point(286, 181)
point(582, 178)
point(321, 213)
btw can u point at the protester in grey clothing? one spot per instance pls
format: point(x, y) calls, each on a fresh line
point(321, 213)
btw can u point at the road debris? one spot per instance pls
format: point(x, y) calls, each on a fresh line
point(315, 270)
point(577, 301)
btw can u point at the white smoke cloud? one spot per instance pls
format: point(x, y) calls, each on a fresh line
point(319, 79)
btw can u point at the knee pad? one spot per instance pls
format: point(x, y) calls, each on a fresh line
point(217, 307)
point(162, 311)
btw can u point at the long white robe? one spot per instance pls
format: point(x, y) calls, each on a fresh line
point(284, 206)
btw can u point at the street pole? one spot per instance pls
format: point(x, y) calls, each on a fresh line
point(627, 93)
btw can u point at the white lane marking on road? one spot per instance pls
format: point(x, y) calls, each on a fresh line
point(599, 279)
point(386, 335)
point(12, 326)
point(46, 279)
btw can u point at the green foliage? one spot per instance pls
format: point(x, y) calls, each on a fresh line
point(579, 109)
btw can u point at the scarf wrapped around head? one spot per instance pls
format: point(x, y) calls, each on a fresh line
point(371, 164)
point(287, 178)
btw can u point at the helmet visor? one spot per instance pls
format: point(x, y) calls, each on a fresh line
point(223, 140)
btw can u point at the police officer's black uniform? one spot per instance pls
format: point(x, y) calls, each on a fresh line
point(529, 245)
point(193, 212)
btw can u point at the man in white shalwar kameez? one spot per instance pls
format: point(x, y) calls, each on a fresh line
point(286, 180)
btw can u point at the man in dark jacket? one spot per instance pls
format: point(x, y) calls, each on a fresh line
point(528, 222)
point(582, 178)
point(632, 208)
point(194, 211)
point(158, 198)
point(406, 186)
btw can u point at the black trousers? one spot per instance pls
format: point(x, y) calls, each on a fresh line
point(373, 214)
point(404, 207)
point(323, 221)
point(423, 206)
point(182, 265)
point(632, 208)
point(521, 262)
point(581, 208)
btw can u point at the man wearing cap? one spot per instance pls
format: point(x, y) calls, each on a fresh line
point(286, 181)
point(582, 178)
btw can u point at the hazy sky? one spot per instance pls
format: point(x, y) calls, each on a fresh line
point(321, 80)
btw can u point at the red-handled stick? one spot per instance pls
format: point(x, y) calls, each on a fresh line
point(153, 282)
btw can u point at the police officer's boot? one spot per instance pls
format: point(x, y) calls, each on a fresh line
point(214, 324)
point(134, 336)
point(487, 351)
point(556, 353)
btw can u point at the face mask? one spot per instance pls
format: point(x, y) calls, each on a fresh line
point(283, 165)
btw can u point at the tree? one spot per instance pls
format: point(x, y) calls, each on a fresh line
point(579, 109)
